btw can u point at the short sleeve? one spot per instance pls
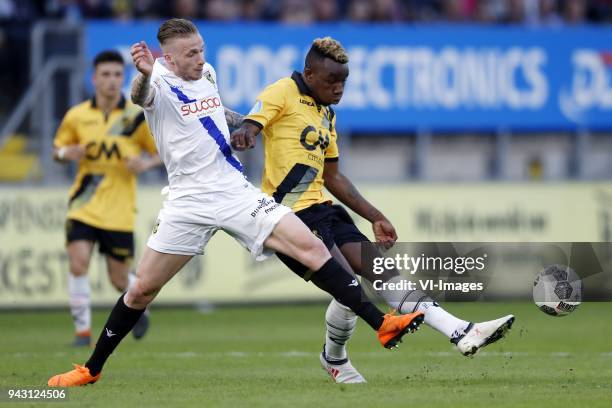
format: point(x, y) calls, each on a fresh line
point(66, 133)
point(331, 153)
point(269, 105)
point(152, 97)
point(143, 135)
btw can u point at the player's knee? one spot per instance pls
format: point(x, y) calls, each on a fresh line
point(119, 283)
point(141, 294)
point(79, 266)
point(313, 253)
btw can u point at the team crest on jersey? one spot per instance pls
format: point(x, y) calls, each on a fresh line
point(126, 122)
point(208, 76)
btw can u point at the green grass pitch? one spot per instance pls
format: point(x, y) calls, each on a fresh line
point(268, 356)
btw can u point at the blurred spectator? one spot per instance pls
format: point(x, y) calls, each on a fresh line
point(222, 10)
point(422, 10)
point(296, 12)
point(123, 10)
point(97, 8)
point(548, 13)
point(515, 12)
point(325, 10)
point(252, 10)
point(7, 9)
point(386, 10)
point(359, 11)
point(20, 10)
point(146, 9)
point(486, 12)
point(532, 12)
point(575, 11)
point(454, 11)
point(188, 9)
point(599, 10)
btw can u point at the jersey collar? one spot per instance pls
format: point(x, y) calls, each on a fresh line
point(303, 88)
point(121, 105)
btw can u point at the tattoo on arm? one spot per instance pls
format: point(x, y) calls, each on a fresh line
point(141, 90)
point(234, 119)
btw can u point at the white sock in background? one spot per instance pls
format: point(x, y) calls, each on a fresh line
point(131, 280)
point(80, 302)
point(340, 322)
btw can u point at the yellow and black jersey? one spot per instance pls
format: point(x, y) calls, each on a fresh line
point(299, 136)
point(104, 192)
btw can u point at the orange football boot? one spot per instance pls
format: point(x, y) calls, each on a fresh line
point(73, 378)
point(393, 328)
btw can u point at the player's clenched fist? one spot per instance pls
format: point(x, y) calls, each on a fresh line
point(244, 137)
point(142, 57)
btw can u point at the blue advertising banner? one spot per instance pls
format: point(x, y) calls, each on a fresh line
point(404, 78)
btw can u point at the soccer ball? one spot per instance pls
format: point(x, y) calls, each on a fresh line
point(557, 290)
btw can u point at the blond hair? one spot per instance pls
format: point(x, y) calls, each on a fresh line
point(330, 48)
point(175, 28)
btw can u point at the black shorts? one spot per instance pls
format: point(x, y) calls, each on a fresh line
point(118, 245)
point(332, 224)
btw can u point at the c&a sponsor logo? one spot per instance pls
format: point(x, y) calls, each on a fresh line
point(201, 105)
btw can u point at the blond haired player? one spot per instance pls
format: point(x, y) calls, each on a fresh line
point(207, 193)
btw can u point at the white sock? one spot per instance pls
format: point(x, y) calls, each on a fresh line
point(79, 294)
point(435, 316)
point(441, 320)
point(340, 322)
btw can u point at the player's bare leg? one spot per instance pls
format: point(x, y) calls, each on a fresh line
point(154, 271)
point(122, 278)
point(293, 239)
point(79, 291)
point(118, 273)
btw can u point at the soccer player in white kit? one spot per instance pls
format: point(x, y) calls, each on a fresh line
point(208, 192)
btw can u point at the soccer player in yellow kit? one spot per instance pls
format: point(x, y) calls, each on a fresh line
point(105, 136)
point(301, 157)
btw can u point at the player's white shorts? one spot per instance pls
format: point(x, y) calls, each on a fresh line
point(186, 224)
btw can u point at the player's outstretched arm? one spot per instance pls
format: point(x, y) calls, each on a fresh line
point(342, 188)
point(143, 60)
point(244, 137)
point(141, 94)
point(233, 119)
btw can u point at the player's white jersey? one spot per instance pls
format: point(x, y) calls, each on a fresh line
point(188, 122)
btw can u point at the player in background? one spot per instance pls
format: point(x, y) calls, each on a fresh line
point(208, 192)
point(105, 137)
point(301, 157)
